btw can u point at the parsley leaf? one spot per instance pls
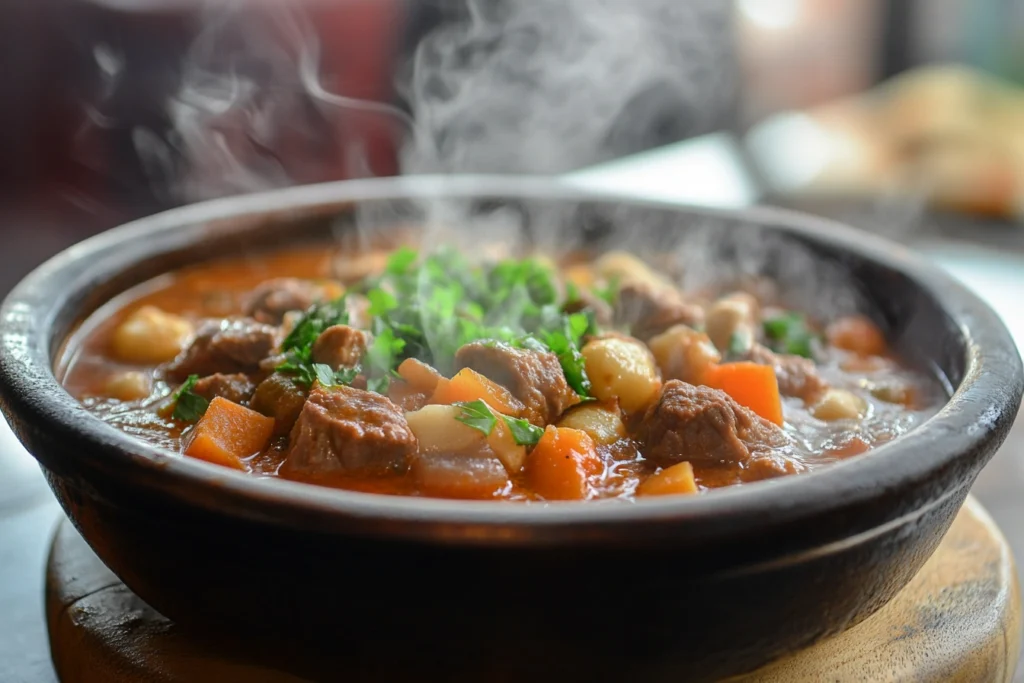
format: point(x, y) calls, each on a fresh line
point(739, 344)
point(381, 301)
point(524, 433)
point(188, 405)
point(401, 260)
point(789, 333)
point(478, 415)
point(564, 345)
point(317, 318)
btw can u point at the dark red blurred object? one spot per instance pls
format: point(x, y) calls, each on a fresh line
point(69, 127)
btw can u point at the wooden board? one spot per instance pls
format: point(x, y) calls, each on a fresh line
point(958, 620)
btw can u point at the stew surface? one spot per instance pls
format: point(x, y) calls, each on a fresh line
point(522, 379)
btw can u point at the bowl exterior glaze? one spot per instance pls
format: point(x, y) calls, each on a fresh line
point(396, 589)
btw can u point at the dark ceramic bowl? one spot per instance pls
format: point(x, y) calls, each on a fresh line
point(362, 587)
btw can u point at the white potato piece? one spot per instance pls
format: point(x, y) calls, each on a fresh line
point(505, 448)
point(683, 353)
point(732, 317)
point(839, 404)
point(601, 421)
point(438, 431)
point(622, 368)
point(129, 386)
point(625, 267)
point(151, 336)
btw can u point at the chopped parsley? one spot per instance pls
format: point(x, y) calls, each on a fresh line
point(478, 415)
point(524, 433)
point(298, 346)
point(428, 306)
point(789, 333)
point(189, 406)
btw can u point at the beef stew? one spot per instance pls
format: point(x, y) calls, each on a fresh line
point(515, 379)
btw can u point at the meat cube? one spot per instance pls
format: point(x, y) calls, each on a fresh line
point(279, 397)
point(648, 310)
point(346, 430)
point(533, 377)
point(705, 427)
point(236, 388)
point(271, 300)
point(228, 347)
point(340, 346)
point(797, 376)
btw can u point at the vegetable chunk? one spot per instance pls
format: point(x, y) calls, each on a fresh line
point(228, 432)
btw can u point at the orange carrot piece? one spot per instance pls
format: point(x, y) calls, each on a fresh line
point(749, 384)
point(857, 334)
point(419, 375)
point(558, 466)
point(470, 385)
point(670, 481)
point(228, 432)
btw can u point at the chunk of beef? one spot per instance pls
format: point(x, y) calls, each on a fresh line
point(341, 429)
point(705, 427)
point(340, 346)
point(533, 377)
point(270, 300)
point(279, 397)
point(228, 347)
point(236, 388)
point(648, 310)
point(797, 376)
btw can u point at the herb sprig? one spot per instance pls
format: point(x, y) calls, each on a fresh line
point(298, 346)
point(789, 333)
point(188, 405)
point(478, 415)
point(427, 307)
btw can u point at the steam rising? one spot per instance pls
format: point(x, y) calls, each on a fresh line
point(503, 86)
point(510, 86)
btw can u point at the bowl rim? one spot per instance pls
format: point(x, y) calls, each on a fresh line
point(979, 410)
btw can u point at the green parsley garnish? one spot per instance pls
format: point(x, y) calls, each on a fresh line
point(427, 307)
point(524, 433)
point(298, 346)
point(789, 333)
point(189, 406)
point(478, 415)
point(739, 344)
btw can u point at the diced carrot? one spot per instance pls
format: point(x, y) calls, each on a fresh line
point(419, 375)
point(669, 481)
point(857, 334)
point(558, 466)
point(228, 432)
point(470, 385)
point(749, 384)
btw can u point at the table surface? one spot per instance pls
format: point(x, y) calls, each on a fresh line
point(28, 513)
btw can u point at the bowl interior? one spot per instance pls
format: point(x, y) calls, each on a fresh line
point(822, 268)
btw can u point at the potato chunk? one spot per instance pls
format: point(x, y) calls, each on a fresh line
point(839, 404)
point(150, 336)
point(129, 386)
point(601, 421)
point(622, 368)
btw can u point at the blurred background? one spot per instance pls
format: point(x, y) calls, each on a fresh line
point(878, 111)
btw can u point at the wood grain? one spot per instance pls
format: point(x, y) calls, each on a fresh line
point(958, 620)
